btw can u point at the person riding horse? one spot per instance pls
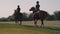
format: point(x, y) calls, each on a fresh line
point(38, 14)
point(18, 15)
point(17, 12)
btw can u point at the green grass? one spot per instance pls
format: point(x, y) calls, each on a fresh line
point(6, 28)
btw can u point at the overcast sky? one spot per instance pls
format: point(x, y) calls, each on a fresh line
point(7, 7)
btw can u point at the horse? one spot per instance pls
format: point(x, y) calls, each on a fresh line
point(41, 14)
point(18, 17)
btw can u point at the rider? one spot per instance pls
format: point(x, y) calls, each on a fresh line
point(18, 9)
point(37, 6)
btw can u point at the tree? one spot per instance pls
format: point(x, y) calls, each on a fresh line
point(30, 17)
point(10, 18)
point(57, 15)
point(3, 19)
point(50, 17)
point(24, 18)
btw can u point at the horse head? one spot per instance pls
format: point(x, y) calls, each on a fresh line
point(32, 9)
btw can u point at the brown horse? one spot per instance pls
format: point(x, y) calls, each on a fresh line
point(42, 15)
point(18, 17)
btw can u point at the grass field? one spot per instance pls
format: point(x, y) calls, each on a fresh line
point(27, 27)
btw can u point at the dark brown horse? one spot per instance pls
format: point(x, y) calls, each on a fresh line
point(18, 17)
point(42, 15)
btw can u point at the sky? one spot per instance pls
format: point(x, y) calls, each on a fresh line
point(7, 7)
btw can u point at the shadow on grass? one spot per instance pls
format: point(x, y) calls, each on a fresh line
point(30, 26)
point(50, 28)
point(27, 26)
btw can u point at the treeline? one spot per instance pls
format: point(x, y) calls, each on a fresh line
point(55, 16)
point(26, 17)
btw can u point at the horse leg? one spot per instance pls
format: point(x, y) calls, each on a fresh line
point(20, 22)
point(35, 23)
point(16, 22)
point(20, 19)
point(42, 24)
